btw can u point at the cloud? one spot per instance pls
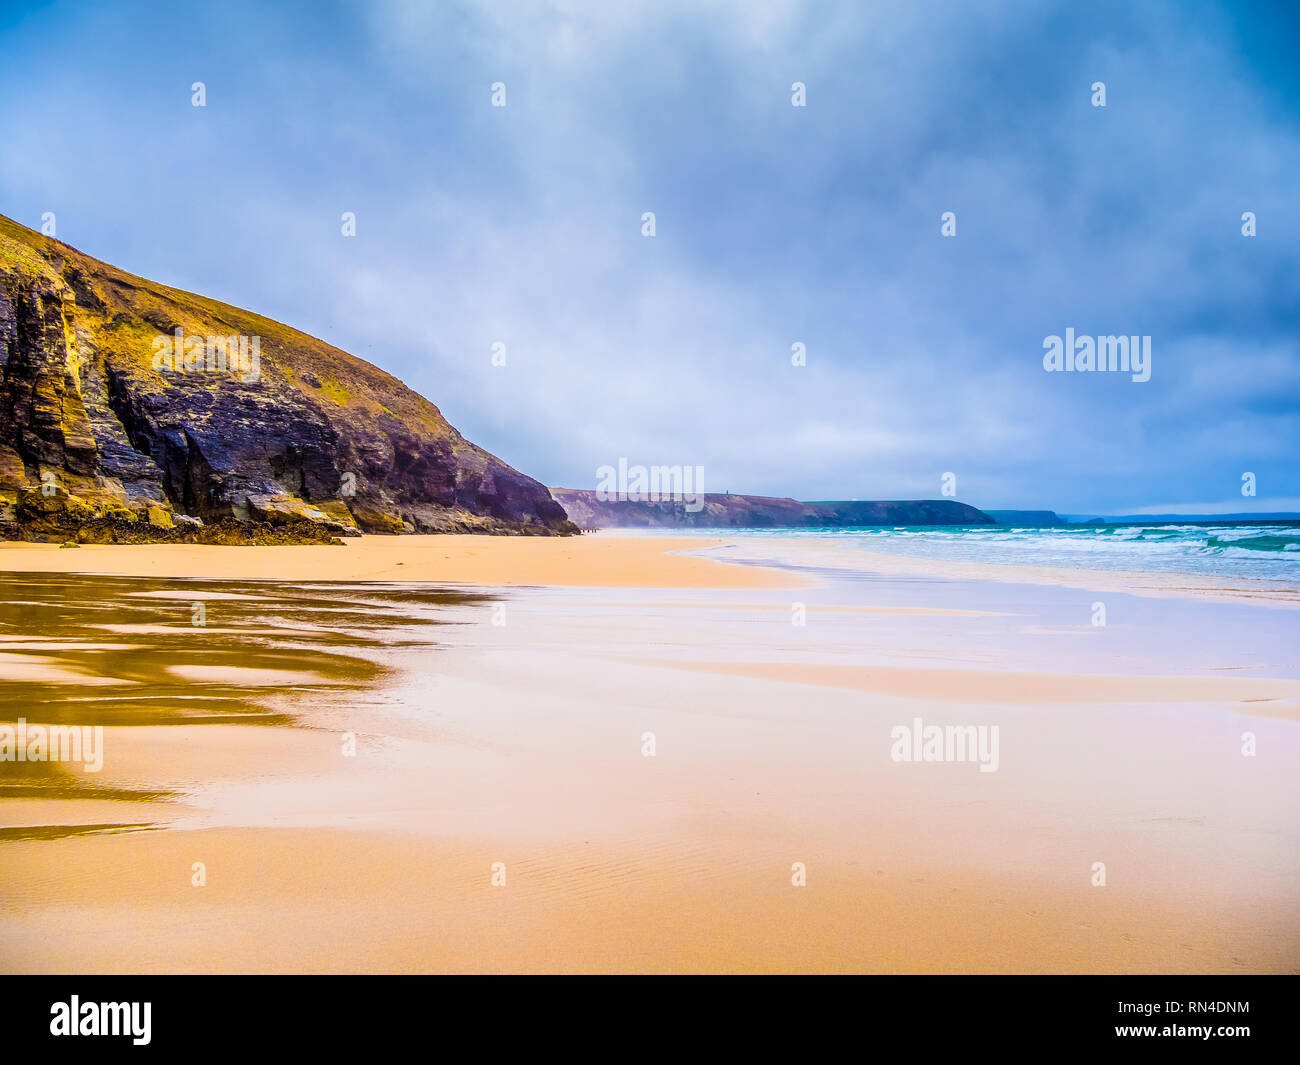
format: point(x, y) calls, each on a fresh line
point(775, 225)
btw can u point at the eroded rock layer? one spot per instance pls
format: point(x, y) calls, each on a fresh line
point(131, 411)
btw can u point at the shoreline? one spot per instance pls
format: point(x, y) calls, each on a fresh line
point(606, 559)
point(1277, 594)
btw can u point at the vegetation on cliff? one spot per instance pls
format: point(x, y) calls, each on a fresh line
point(130, 411)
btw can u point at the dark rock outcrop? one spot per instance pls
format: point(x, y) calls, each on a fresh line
point(760, 512)
point(259, 432)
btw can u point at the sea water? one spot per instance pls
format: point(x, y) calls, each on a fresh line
point(1255, 551)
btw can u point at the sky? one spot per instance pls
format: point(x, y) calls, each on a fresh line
point(774, 225)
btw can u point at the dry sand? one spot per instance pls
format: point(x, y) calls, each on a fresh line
point(508, 561)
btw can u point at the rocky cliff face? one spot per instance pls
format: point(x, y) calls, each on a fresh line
point(758, 512)
point(132, 411)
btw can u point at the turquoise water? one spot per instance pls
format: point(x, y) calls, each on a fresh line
point(1261, 552)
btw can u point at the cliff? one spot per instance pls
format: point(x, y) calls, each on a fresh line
point(132, 411)
point(736, 511)
point(1025, 517)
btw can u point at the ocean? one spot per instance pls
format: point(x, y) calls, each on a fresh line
point(1232, 549)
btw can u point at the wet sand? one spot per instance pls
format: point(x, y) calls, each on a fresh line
point(415, 906)
point(509, 724)
point(830, 555)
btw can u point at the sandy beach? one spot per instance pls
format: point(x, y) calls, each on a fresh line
point(507, 561)
point(428, 754)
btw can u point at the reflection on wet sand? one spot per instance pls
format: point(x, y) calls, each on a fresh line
point(108, 651)
point(64, 831)
point(481, 745)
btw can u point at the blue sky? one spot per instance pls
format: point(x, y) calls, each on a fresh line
point(774, 224)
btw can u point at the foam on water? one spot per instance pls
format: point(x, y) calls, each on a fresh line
point(1260, 552)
